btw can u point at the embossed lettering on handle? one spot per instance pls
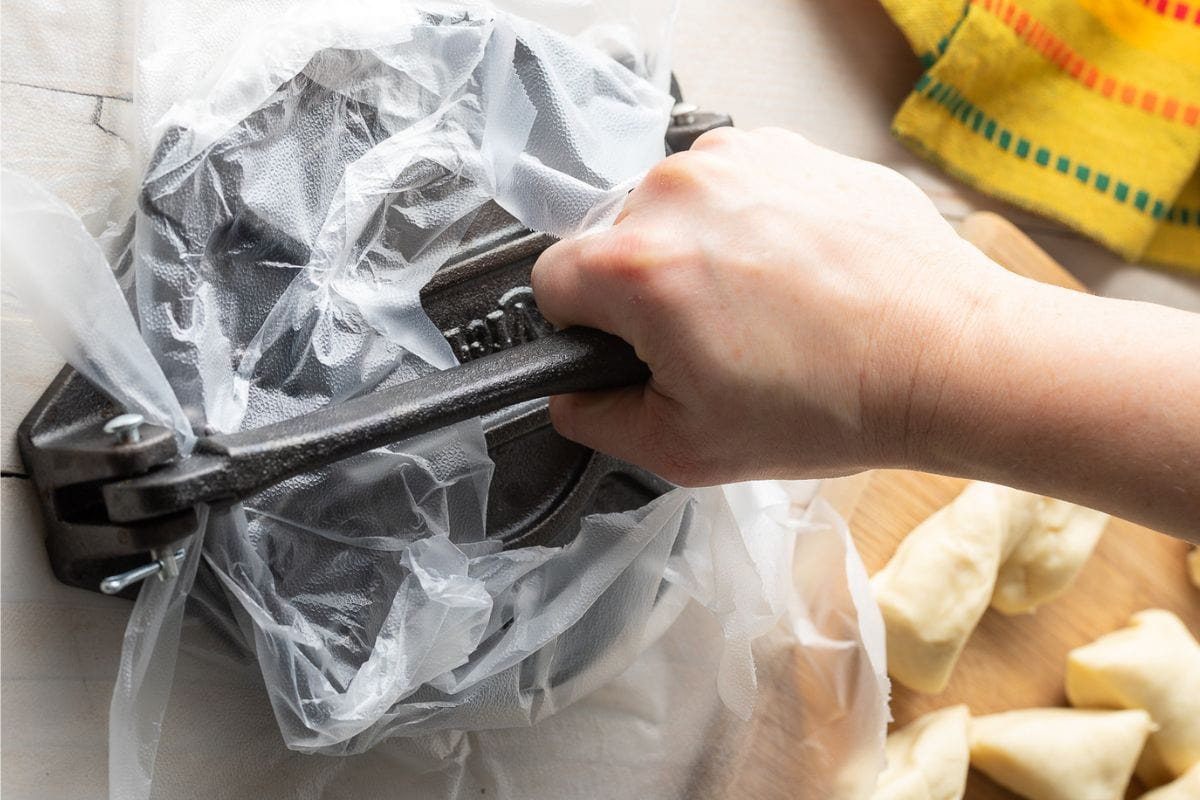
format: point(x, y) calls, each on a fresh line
point(515, 321)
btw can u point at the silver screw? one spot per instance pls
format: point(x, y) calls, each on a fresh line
point(164, 566)
point(684, 113)
point(126, 427)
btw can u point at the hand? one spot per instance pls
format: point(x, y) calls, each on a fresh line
point(798, 310)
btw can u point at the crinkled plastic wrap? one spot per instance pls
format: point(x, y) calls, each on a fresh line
point(657, 730)
point(295, 201)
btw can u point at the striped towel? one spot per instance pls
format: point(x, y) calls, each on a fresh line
point(1087, 111)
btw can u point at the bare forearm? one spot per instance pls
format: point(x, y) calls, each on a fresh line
point(1089, 399)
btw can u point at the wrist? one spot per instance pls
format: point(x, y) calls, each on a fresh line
point(952, 330)
point(990, 379)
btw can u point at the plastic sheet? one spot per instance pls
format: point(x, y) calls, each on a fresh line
point(296, 198)
point(83, 315)
point(657, 730)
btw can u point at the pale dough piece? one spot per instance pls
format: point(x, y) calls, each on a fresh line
point(1193, 562)
point(1153, 664)
point(1048, 556)
point(1060, 753)
point(939, 582)
point(1186, 787)
point(992, 544)
point(927, 759)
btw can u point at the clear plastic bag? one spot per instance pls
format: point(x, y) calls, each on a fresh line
point(659, 729)
point(295, 200)
point(315, 184)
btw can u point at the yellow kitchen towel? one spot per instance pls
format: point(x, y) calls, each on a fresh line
point(1087, 111)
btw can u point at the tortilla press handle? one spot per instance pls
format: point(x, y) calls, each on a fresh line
point(228, 467)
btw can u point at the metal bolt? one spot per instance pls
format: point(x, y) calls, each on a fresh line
point(164, 566)
point(684, 113)
point(169, 561)
point(126, 427)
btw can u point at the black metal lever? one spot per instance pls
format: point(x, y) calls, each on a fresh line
point(227, 467)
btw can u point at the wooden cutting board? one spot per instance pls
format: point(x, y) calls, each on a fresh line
point(1017, 662)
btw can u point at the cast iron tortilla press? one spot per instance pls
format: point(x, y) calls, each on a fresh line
point(119, 501)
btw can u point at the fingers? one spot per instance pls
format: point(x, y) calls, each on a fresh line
point(638, 425)
point(611, 422)
point(594, 280)
point(600, 281)
point(627, 281)
point(564, 290)
point(555, 281)
point(587, 281)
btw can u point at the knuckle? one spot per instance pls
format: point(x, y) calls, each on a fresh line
point(549, 261)
point(652, 268)
point(628, 208)
point(625, 254)
point(775, 132)
point(717, 138)
point(880, 173)
point(679, 172)
point(893, 184)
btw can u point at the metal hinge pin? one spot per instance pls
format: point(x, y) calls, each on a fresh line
point(684, 113)
point(126, 427)
point(165, 565)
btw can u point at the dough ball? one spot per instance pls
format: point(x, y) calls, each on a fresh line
point(1153, 664)
point(1060, 753)
point(927, 759)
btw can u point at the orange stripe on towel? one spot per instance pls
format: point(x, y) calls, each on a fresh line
point(1063, 56)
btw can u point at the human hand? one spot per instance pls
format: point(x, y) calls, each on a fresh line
point(798, 310)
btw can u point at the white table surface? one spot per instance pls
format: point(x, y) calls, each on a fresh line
point(835, 71)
